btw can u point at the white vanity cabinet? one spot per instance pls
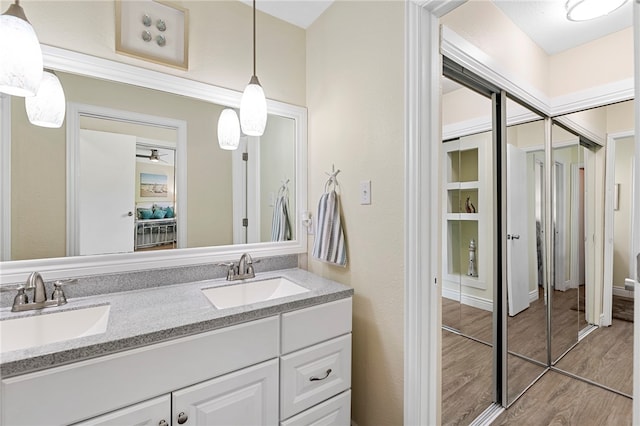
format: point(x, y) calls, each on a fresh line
point(290, 369)
point(315, 364)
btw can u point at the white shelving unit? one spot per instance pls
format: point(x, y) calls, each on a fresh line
point(466, 173)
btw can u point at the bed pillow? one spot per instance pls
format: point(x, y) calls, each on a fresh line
point(145, 213)
point(159, 214)
point(169, 212)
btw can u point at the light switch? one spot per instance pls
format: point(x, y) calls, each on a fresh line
point(365, 192)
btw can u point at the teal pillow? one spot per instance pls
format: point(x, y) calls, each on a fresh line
point(169, 212)
point(145, 213)
point(159, 214)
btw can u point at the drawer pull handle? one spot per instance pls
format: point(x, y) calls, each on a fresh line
point(182, 418)
point(163, 423)
point(314, 378)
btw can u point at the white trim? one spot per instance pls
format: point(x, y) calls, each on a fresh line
point(69, 267)
point(636, 215)
point(580, 130)
point(74, 112)
point(622, 292)
point(468, 299)
point(574, 265)
point(609, 289)
point(475, 60)
point(5, 176)
point(423, 69)
point(239, 183)
point(534, 295)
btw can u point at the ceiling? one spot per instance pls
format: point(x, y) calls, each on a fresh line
point(543, 20)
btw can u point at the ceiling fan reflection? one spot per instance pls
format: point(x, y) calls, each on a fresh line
point(154, 157)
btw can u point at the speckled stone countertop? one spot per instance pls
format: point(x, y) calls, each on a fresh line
point(143, 317)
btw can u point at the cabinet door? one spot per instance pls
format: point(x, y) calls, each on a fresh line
point(155, 412)
point(246, 397)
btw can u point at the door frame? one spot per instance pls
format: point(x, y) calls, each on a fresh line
point(422, 360)
point(607, 300)
point(77, 110)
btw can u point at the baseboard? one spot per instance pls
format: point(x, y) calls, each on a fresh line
point(467, 299)
point(620, 291)
point(533, 295)
point(629, 284)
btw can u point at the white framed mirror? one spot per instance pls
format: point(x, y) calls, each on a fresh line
point(288, 120)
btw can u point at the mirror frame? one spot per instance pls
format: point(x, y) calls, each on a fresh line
point(68, 267)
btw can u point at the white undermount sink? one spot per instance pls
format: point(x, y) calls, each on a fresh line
point(252, 292)
point(41, 329)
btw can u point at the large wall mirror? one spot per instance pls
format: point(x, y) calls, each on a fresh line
point(136, 176)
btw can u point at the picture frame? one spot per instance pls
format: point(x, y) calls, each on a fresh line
point(153, 185)
point(154, 31)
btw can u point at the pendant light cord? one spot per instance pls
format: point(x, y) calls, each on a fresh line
point(254, 37)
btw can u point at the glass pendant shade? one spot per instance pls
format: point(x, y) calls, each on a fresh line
point(584, 10)
point(47, 108)
point(228, 129)
point(253, 109)
point(20, 54)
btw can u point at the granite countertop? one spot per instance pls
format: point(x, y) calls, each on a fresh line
point(144, 317)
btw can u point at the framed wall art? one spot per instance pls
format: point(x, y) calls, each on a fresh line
point(154, 31)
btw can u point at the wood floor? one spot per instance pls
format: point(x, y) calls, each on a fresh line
point(605, 356)
point(560, 400)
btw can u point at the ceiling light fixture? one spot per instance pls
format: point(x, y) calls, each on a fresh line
point(48, 106)
point(584, 10)
point(228, 129)
point(20, 54)
point(253, 105)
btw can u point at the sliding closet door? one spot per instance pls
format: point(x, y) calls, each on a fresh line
point(525, 266)
point(468, 293)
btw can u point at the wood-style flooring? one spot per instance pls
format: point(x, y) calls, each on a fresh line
point(560, 400)
point(605, 356)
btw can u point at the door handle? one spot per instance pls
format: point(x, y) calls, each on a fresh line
point(513, 236)
point(130, 214)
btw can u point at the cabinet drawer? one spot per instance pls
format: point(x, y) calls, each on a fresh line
point(152, 413)
point(315, 374)
point(334, 412)
point(309, 326)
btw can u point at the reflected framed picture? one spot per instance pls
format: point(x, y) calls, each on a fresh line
point(154, 31)
point(153, 185)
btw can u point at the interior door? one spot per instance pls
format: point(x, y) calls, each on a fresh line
point(106, 192)
point(517, 235)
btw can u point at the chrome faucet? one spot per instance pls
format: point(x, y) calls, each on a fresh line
point(243, 270)
point(35, 282)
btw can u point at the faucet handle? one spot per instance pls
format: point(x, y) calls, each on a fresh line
point(58, 294)
point(230, 271)
point(20, 299)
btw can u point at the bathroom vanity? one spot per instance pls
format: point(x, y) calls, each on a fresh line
point(169, 357)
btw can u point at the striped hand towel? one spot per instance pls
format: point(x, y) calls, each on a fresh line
point(280, 224)
point(330, 245)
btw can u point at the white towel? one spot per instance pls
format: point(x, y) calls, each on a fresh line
point(280, 224)
point(330, 245)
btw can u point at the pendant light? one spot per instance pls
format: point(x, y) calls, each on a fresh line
point(228, 129)
point(47, 107)
point(253, 105)
point(20, 54)
point(584, 10)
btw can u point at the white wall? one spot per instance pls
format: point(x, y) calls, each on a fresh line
point(355, 78)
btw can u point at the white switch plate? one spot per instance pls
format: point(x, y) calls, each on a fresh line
point(365, 192)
